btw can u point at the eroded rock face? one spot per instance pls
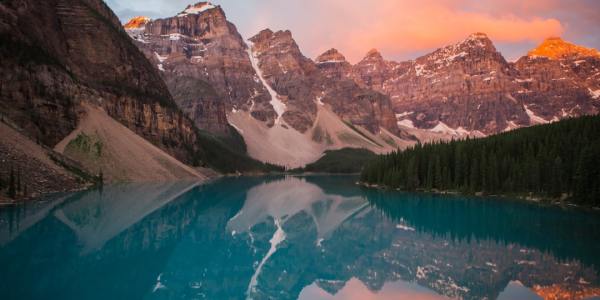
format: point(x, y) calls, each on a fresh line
point(290, 74)
point(303, 84)
point(333, 65)
point(373, 71)
point(460, 85)
point(205, 64)
point(465, 88)
point(470, 87)
point(56, 54)
point(559, 80)
point(200, 46)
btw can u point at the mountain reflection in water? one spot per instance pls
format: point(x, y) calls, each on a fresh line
point(293, 237)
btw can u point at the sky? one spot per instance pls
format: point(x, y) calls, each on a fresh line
point(399, 29)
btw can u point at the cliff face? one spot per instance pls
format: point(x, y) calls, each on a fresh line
point(57, 54)
point(199, 49)
point(462, 86)
point(469, 87)
point(463, 89)
point(559, 80)
point(267, 76)
point(303, 84)
point(289, 73)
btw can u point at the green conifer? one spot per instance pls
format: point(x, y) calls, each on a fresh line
point(12, 189)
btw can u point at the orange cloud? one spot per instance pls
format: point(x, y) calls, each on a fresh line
point(404, 27)
point(398, 27)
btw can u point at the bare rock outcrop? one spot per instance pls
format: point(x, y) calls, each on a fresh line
point(57, 54)
point(206, 66)
point(469, 87)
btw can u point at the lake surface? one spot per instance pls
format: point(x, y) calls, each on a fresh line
point(293, 238)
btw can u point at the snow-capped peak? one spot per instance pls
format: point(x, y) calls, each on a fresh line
point(459, 51)
point(197, 9)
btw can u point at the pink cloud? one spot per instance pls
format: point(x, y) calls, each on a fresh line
point(398, 27)
point(409, 26)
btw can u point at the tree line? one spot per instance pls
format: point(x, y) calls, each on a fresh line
point(556, 160)
point(12, 186)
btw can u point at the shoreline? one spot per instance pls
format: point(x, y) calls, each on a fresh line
point(481, 195)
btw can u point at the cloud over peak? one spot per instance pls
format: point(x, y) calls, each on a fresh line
point(402, 29)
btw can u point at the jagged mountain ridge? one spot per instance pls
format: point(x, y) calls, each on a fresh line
point(470, 87)
point(58, 56)
point(49, 70)
point(200, 47)
point(282, 92)
point(463, 89)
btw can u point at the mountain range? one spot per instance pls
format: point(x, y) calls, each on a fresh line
point(85, 97)
point(290, 108)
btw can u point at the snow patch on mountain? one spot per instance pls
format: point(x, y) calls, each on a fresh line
point(276, 102)
point(320, 101)
point(404, 114)
point(446, 56)
point(197, 9)
point(511, 126)
point(175, 36)
point(524, 80)
point(595, 94)
point(535, 119)
point(330, 62)
point(161, 58)
point(441, 127)
point(406, 123)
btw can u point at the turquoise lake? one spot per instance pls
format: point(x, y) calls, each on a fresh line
point(315, 237)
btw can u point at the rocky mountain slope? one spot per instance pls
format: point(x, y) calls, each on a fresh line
point(65, 52)
point(205, 64)
point(36, 169)
point(275, 97)
point(469, 87)
point(264, 87)
point(105, 146)
point(58, 55)
point(559, 80)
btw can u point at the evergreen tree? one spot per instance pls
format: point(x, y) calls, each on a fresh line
point(12, 191)
point(438, 173)
point(548, 160)
point(474, 175)
point(556, 182)
point(412, 174)
point(430, 174)
point(19, 181)
point(101, 178)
